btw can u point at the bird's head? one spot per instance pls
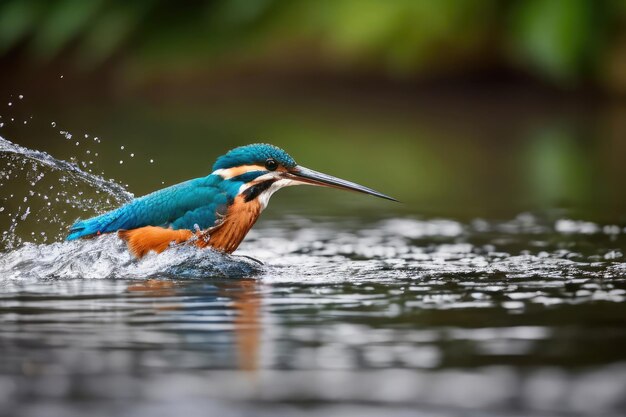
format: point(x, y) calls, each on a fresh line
point(262, 169)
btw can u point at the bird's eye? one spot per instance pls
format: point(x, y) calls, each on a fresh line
point(271, 164)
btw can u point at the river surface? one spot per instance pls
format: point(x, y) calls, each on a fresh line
point(335, 305)
point(423, 317)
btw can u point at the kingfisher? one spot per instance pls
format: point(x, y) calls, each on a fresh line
point(215, 211)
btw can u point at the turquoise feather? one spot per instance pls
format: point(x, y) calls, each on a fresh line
point(192, 204)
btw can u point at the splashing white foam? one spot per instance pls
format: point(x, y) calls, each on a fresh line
point(45, 194)
point(47, 160)
point(108, 257)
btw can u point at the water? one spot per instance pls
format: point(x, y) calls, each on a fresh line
point(429, 315)
point(389, 313)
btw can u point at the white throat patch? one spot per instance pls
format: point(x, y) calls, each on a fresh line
point(264, 197)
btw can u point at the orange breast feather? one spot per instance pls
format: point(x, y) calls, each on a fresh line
point(239, 219)
point(144, 239)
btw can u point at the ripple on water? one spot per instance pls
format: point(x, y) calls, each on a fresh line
point(298, 250)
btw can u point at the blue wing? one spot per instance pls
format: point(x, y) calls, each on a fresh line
point(181, 206)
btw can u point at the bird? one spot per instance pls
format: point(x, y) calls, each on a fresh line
point(215, 211)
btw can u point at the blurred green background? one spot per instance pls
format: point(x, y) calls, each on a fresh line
point(463, 108)
point(568, 43)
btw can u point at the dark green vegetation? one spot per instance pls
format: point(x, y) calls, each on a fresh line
point(566, 42)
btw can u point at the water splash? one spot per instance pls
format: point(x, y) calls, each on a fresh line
point(42, 195)
point(71, 171)
point(108, 257)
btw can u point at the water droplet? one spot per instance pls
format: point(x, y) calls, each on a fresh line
point(152, 161)
point(10, 104)
point(121, 162)
point(61, 76)
point(122, 147)
point(132, 155)
point(21, 96)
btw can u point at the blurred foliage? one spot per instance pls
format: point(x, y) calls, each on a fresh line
point(568, 42)
point(561, 38)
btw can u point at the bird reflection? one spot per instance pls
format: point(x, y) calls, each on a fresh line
point(247, 304)
point(245, 300)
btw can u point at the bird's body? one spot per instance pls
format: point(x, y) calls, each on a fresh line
point(215, 211)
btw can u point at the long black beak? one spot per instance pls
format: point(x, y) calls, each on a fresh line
point(308, 176)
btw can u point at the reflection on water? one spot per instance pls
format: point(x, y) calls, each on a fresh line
point(245, 303)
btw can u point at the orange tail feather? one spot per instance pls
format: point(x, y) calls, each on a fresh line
point(144, 239)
